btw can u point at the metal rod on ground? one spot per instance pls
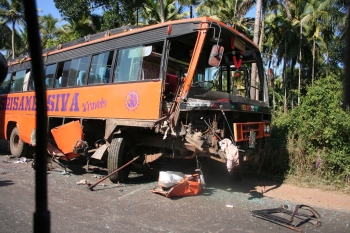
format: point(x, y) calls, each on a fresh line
point(91, 187)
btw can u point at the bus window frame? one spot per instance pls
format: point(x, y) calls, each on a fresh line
point(14, 79)
point(54, 75)
point(69, 78)
point(87, 79)
point(7, 79)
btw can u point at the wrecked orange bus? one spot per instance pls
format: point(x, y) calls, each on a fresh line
point(175, 90)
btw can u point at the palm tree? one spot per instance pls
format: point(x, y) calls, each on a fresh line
point(256, 41)
point(5, 44)
point(12, 12)
point(162, 11)
point(230, 12)
point(324, 20)
point(49, 31)
point(150, 12)
point(209, 8)
point(191, 3)
point(78, 28)
point(281, 36)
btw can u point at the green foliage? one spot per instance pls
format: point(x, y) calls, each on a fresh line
point(73, 9)
point(5, 34)
point(319, 129)
point(277, 160)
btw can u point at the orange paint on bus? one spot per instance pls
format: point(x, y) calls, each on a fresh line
point(120, 101)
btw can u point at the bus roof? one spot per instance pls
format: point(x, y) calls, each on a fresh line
point(127, 30)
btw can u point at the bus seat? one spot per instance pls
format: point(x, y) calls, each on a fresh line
point(81, 78)
point(48, 82)
point(104, 74)
point(150, 70)
point(171, 81)
point(58, 82)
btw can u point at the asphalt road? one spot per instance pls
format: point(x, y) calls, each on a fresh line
point(131, 207)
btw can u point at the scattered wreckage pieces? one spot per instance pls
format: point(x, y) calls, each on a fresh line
point(177, 184)
point(274, 215)
point(91, 186)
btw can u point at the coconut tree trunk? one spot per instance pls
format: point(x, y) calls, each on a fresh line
point(313, 61)
point(162, 17)
point(13, 39)
point(294, 61)
point(234, 14)
point(260, 46)
point(256, 41)
point(262, 33)
point(273, 100)
point(284, 77)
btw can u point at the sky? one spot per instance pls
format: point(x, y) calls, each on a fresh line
point(48, 7)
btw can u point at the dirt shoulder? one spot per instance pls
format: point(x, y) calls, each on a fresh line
point(301, 195)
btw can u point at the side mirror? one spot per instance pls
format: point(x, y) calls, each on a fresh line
point(3, 68)
point(216, 54)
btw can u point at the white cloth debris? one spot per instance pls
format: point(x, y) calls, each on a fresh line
point(169, 178)
point(83, 182)
point(65, 173)
point(21, 160)
point(231, 153)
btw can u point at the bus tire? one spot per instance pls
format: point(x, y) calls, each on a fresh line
point(18, 148)
point(119, 154)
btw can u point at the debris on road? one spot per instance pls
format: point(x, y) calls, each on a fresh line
point(229, 206)
point(64, 172)
point(275, 215)
point(83, 182)
point(91, 186)
point(177, 184)
point(21, 160)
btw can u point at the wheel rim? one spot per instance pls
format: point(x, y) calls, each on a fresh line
point(16, 141)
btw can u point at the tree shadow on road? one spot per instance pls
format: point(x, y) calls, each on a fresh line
point(241, 181)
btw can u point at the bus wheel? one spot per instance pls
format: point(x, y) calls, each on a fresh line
point(18, 148)
point(119, 154)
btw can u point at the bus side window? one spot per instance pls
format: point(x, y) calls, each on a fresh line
point(100, 68)
point(151, 67)
point(26, 82)
point(17, 81)
point(78, 70)
point(64, 78)
point(129, 65)
point(59, 73)
point(5, 86)
point(50, 71)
